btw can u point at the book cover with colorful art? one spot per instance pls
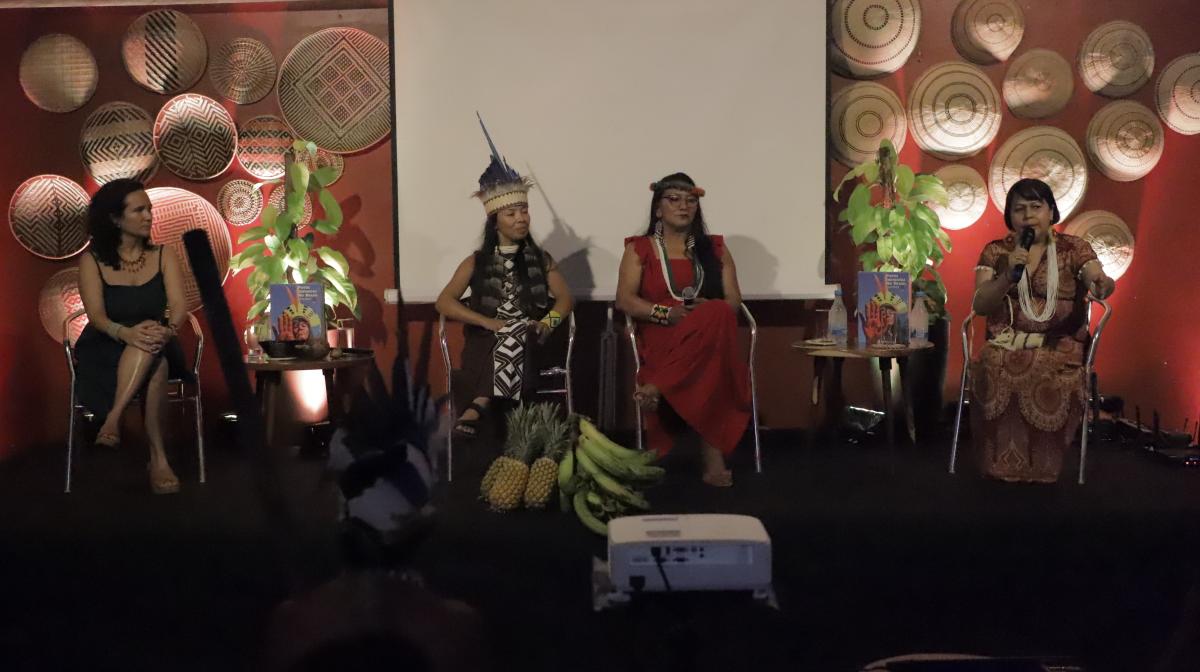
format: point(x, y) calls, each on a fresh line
point(883, 300)
point(296, 311)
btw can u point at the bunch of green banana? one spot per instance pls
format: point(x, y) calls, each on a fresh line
point(601, 480)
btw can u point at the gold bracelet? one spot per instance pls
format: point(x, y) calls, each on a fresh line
point(552, 319)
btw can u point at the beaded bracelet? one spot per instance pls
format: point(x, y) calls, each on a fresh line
point(660, 314)
point(113, 330)
point(552, 319)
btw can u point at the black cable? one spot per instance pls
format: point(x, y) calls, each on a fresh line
point(656, 551)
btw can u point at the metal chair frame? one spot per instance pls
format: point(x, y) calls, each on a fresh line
point(631, 329)
point(967, 332)
point(564, 371)
point(176, 393)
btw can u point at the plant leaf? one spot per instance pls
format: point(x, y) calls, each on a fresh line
point(257, 309)
point(255, 233)
point(325, 175)
point(333, 211)
point(336, 259)
point(904, 181)
point(298, 177)
point(269, 214)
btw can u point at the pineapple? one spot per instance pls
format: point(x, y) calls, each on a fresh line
point(553, 432)
point(511, 470)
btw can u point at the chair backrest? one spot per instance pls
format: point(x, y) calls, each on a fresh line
point(967, 331)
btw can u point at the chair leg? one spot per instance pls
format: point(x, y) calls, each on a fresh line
point(70, 442)
point(1083, 441)
point(638, 410)
point(962, 397)
point(199, 412)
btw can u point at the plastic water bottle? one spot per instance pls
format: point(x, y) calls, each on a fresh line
point(838, 319)
point(918, 321)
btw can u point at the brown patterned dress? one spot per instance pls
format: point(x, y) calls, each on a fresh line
point(1026, 404)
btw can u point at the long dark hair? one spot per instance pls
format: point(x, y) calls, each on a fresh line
point(491, 238)
point(714, 286)
point(1030, 189)
point(108, 205)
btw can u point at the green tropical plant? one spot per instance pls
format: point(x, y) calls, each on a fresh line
point(893, 227)
point(279, 254)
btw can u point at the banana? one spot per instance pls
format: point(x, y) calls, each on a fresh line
point(566, 468)
point(605, 460)
point(594, 500)
point(586, 428)
point(585, 515)
point(564, 500)
point(609, 485)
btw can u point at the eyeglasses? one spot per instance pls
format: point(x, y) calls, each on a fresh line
point(675, 199)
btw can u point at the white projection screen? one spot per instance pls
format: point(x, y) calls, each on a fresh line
point(595, 100)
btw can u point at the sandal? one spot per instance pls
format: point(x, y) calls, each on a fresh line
point(469, 428)
point(108, 440)
point(163, 483)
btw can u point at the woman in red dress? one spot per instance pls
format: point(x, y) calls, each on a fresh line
point(690, 360)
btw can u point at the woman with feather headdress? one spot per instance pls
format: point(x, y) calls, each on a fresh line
point(518, 295)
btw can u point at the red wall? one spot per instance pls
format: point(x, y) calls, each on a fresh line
point(1150, 355)
point(33, 377)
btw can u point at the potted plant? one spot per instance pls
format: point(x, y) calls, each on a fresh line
point(895, 230)
point(280, 253)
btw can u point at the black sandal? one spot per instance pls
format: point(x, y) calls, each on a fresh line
point(468, 429)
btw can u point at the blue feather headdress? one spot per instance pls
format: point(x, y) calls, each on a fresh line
point(500, 186)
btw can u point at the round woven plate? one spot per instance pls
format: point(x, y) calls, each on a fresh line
point(239, 202)
point(968, 197)
point(243, 70)
point(276, 199)
point(48, 216)
point(871, 38)
point(1045, 153)
point(164, 51)
point(1109, 236)
point(334, 89)
point(58, 73)
point(117, 140)
point(58, 299)
point(195, 137)
point(177, 211)
point(1038, 84)
point(987, 31)
point(954, 111)
point(325, 158)
point(1116, 59)
point(1177, 94)
point(860, 116)
point(1125, 140)
point(262, 144)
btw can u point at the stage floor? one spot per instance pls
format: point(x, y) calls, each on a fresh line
point(876, 553)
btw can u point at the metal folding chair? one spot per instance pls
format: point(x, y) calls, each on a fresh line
point(562, 373)
point(967, 332)
point(177, 392)
point(631, 329)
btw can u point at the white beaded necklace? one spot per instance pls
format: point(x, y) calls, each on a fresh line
point(1026, 295)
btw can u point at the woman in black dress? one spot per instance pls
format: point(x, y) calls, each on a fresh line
point(132, 291)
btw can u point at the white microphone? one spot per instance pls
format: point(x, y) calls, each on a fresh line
point(689, 296)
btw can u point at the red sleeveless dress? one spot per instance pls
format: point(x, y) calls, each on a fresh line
point(696, 363)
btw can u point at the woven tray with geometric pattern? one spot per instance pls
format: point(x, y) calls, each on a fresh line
point(164, 51)
point(262, 145)
point(48, 216)
point(195, 137)
point(177, 211)
point(243, 70)
point(239, 202)
point(58, 73)
point(334, 90)
point(58, 299)
point(117, 141)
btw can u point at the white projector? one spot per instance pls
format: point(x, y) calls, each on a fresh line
point(689, 552)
